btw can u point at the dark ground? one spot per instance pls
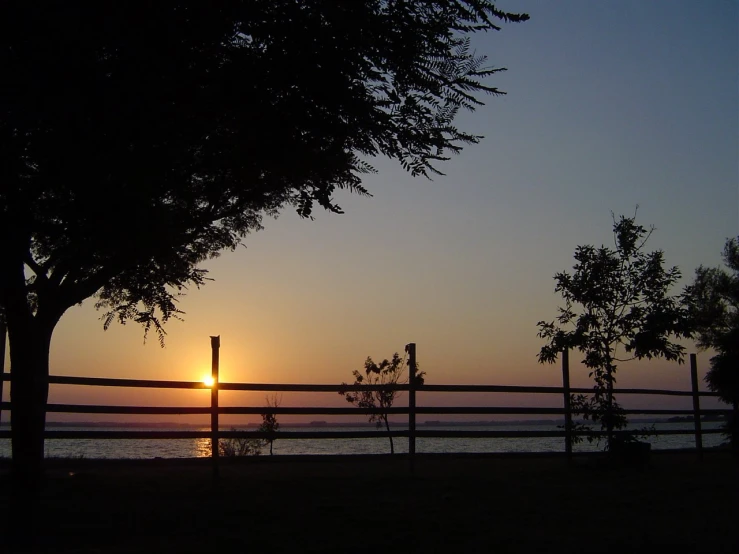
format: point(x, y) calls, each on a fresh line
point(459, 504)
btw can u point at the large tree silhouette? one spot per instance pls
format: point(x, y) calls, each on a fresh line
point(713, 301)
point(140, 140)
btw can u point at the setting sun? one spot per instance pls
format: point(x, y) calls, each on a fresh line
point(208, 381)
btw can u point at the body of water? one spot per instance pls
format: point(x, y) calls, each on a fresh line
point(192, 448)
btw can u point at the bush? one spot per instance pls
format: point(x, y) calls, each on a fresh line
point(237, 447)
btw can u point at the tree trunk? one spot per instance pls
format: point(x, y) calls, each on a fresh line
point(29, 390)
point(30, 340)
point(609, 407)
point(387, 426)
point(3, 338)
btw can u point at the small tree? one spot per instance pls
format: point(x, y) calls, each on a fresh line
point(616, 302)
point(713, 303)
point(387, 373)
point(270, 425)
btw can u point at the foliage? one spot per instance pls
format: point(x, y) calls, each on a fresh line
point(198, 120)
point(713, 303)
point(270, 425)
point(388, 373)
point(590, 410)
point(236, 447)
point(139, 140)
point(616, 302)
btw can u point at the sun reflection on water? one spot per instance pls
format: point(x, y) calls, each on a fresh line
point(201, 448)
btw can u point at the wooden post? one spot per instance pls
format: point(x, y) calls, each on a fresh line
point(696, 406)
point(215, 345)
point(3, 333)
point(567, 407)
point(411, 350)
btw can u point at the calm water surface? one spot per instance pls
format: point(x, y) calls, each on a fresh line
point(191, 448)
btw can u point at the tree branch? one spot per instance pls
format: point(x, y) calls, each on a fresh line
point(38, 269)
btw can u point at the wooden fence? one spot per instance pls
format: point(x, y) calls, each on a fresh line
point(412, 410)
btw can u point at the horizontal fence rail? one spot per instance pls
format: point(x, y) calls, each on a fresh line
point(426, 410)
point(412, 410)
point(288, 387)
point(342, 434)
point(257, 387)
point(287, 435)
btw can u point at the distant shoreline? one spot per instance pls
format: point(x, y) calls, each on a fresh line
point(319, 424)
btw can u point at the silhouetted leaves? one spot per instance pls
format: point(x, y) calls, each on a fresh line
point(713, 301)
point(387, 373)
point(139, 141)
point(616, 302)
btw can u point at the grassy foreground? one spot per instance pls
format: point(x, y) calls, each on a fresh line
point(460, 504)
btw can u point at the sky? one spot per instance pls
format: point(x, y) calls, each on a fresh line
point(609, 105)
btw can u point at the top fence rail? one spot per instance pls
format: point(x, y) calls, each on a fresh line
point(294, 387)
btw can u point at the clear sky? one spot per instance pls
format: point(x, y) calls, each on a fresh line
point(610, 104)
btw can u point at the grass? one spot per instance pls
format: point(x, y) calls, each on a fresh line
point(458, 504)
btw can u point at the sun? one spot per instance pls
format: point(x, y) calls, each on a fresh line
point(208, 381)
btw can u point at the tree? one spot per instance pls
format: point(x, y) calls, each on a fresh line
point(388, 373)
point(713, 303)
point(141, 140)
point(616, 302)
point(270, 425)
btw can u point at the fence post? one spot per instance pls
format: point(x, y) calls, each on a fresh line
point(696, 406)
point(567, 407)
point(411, 350)
point(215, 345)
point(3, 333)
